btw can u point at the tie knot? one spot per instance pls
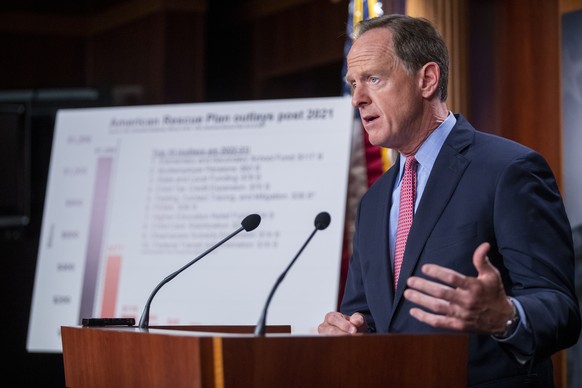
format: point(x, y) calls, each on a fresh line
point(410, 163)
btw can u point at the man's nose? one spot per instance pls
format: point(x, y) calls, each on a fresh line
point(360, 97)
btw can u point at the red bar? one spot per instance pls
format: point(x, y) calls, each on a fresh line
point(111, 286)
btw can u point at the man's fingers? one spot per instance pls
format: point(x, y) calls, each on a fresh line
point(429, 287)
point(326, 328)
point(445, 275)
point(437, 320)
point(357, 319)
point(456, 301)
point(338, 320)
point(337, 323)
point(481, 261)
point(436, 304)
point(455, 279)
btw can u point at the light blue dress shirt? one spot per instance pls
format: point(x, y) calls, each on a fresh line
point(426, 156)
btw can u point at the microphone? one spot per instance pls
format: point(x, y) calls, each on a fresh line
point(322, 221)
point(249, 223)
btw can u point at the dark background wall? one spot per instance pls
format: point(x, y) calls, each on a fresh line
point(127, 52)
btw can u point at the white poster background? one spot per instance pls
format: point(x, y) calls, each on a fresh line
point(155, 186)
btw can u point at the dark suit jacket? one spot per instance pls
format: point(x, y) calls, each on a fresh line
point(482, 188)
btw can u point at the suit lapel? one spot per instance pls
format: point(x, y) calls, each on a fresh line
point(445, 176)
point(383, 270)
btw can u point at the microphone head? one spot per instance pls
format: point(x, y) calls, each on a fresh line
point(251, 222)
point(322, 220)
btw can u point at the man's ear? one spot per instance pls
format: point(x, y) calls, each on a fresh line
point(430, 75)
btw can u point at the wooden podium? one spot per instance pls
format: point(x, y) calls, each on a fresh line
point(130, 357)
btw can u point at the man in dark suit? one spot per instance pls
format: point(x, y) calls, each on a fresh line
point(489, 250)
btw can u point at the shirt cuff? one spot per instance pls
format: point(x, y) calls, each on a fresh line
point(520, 341)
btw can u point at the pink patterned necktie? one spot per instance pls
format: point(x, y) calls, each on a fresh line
point(406, 213)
